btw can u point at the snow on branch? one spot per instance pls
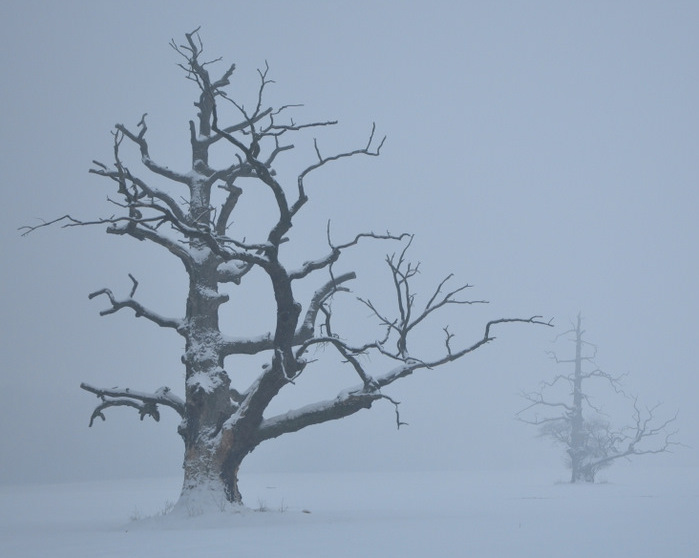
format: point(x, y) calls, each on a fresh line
point(319, 297)
point(345, 404)
point(233, 272)
point(145, 403)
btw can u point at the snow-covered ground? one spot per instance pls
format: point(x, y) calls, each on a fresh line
point(639, 512)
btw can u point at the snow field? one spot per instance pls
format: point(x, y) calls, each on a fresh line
point(639, 512)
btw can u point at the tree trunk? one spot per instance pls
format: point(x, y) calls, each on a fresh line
point(210, 477)
point(211, 466)
point(210, 470)
point(577, 435)
point(588, 474)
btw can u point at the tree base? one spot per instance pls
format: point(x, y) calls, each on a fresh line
point(204, 497)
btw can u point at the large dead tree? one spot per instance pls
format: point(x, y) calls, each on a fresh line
point(573, 421)
point(191, 218)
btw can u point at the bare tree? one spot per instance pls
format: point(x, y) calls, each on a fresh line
point(222, 422)
point(580, 426)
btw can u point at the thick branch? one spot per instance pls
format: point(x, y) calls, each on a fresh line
point(144, 403)
point(233, 272)
point(319, 297)
point(255, 345)
point(345, 404)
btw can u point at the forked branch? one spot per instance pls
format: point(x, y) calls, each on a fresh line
point(409, 317)
point(137, 307)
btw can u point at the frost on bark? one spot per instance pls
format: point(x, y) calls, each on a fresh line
point(189, 213)
point(572, 420)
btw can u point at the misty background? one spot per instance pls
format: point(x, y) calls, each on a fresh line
point(543, 152)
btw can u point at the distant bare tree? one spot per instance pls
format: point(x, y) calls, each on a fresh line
point(190, 214)
point(581, 428)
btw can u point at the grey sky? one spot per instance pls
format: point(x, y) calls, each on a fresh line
point(545, 152)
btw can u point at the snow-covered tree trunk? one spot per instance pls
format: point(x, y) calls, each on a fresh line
point(207, 387)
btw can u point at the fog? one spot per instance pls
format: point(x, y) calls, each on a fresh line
point(544, 152)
